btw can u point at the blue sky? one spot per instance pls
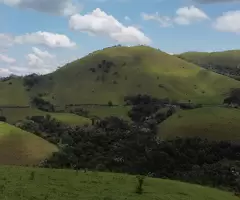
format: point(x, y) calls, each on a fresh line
point(40, 35)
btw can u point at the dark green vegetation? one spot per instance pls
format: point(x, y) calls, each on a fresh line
point(118, 146)
point(226, 62)
point(18, 147)
point(45, 184)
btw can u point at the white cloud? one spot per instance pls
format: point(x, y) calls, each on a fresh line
point(37, 61)
point(184, 16)
point(100, 23)
point(57, 7)
point(6, 59)
point(52, 40)
point(228, 22)
point(42, 54)
point(127, 18)
point(188, 15)
point(5, 40)
point(164, 21)
point(40, 59)
point(216, 1)
point(4, 72)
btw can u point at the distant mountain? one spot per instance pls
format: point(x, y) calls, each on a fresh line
point(225, 62)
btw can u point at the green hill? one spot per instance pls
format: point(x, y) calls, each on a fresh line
point(28, 183)
point(226, 62)
point(214, 123)
point(13, 115)
point(112, 73)
point(18, 147)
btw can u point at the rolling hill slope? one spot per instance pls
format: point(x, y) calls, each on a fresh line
point(213, 123)
point(225, 62)
point(13, 115)
point(18, 147)
point(112, 73)
point(29, 183)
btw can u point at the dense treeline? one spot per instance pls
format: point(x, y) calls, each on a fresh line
point(42, 104)
point(117, 146)
point(234, 97)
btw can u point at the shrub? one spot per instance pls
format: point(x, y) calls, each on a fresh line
point(42, 104)
point(92, 69)
point(139, 187)
point(32, 176)
point(31, 80)
point(110, 103)
point(3, 119)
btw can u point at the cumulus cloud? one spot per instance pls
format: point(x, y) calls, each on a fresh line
point(4, 72)
point(57, 7)
point(42, 54)
point(188, 15)
point(164, 21)
point(216, 1)
point(6, 59)
point(100, 23)
point(5, 40)
point(52, 40)
point(184, 16)
point(228, 22)
point(127, 18)
point(40, 59)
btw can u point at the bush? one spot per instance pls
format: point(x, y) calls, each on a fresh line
point(139, 187)
point(42, 104)
point(3, 119)
point(110, 103)
point(31, 80)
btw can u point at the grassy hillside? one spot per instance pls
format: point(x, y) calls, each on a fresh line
point(12, 92)
point(27, 184)
point(18, 147)
point(112, 73)
point(226, 62)
point(15, 114)
point(212, 123)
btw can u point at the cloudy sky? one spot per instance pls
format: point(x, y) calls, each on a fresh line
point(41, 35)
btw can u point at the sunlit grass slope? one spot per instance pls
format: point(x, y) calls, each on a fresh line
point(26, 183)
point(212, 123)
point(18, 147)
point(138, 69)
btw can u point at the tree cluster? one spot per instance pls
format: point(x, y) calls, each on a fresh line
point(30, 80)
point(42, 104)
point(117, 146)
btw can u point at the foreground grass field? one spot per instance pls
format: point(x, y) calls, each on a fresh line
point(15, 114)
point(18, 147)
point(18, 183)
point(210, 122)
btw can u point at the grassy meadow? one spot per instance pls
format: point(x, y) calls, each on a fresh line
point(18, 147)
point(216, 123)
point(18, 183)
